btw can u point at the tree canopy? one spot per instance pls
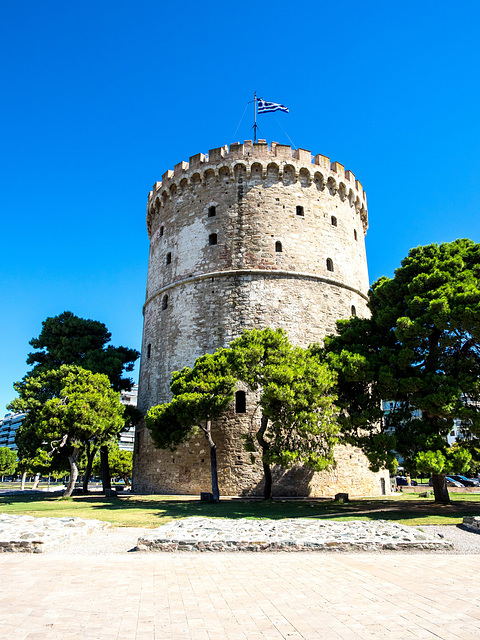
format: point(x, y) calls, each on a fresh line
point(68, 339)
point(200, 394)
point(71, 410)
point(8, 461)
point(298, 422)
point(298, 417)
point(419, 350)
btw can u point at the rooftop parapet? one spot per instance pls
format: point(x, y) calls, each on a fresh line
point(257, 150)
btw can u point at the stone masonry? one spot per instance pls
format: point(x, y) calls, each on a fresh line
point(294, 534)
point(248, 237)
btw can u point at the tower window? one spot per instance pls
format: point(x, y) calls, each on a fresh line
point(300, 211)
point(355, 234)
point(169, 258)
point(240, 402)
point(212, 238)
point(278, 247)
point(354, 311)
point(164, 302)
point(149, 350)
point(162, 229)
point(334, 221)
point(212, 212)
point(329, 264)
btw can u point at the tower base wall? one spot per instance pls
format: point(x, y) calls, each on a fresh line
point(187, 470)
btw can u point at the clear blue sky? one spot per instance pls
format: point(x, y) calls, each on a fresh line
point(100, 98)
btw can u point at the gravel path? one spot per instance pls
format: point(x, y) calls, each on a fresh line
point(123, 540)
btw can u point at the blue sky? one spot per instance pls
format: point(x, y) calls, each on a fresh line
point(100, 98)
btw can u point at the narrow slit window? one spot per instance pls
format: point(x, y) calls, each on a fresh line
point(212, 238)
point(354, 311)
point(162, 229)
point(278, 247)
point(149, 350)
point(169, 258)
point(212, 212)
point(240, 402)
point(137, 443)
point(355, 234)
point(300, 211)
point(329, 264)
point(164, 302)
point(334, 221)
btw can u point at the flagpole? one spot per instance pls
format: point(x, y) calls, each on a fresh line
point(255, 123)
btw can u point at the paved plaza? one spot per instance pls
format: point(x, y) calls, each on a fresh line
point(254, 596)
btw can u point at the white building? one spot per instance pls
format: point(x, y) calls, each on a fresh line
point(127, 436)
point(8, 428)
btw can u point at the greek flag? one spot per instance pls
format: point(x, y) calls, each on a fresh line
point(267, 107)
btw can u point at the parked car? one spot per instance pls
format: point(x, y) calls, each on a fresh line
point(450, 482)
point(402, 481)
point(467, 482)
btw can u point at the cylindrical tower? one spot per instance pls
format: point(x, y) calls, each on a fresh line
point(247, 237)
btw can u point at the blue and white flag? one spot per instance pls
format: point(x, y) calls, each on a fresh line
point(267, 107)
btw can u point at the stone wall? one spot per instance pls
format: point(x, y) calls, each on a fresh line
point(256, 237)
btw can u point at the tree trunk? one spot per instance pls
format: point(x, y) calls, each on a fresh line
point(104, 469)
point(36, 481)
point(213, 460)
point(88, 470)
point(440, 488)
point(24, 477)
point(72, 459)
point(267, 492)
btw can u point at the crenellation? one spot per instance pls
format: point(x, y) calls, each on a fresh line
point(236, 150)
point(216, 155)
point(196, 161)
point(247, 147)
point(260, 149)
point(167, 175)
point(283, 151)
point(302, 155)
point(180, 168)
point(338, 168)
point(322, 161)
point(298, 159)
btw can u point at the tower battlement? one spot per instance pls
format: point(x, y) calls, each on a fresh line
point(274, 162)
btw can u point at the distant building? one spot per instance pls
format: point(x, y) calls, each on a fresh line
point(8, 428)
point(127, 436)
point(457, 433)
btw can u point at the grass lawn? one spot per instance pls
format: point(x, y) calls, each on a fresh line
point(152, 511)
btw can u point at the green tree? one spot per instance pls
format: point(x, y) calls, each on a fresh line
point(298, 422)
point(419, 349)
point(67, 339)
point(200, 394)
point(73, 410)
point(121, 463)
point(8, 461)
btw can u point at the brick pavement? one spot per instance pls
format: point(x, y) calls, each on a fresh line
point(215, 596)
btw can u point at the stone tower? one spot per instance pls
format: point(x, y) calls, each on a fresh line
point(247, 237)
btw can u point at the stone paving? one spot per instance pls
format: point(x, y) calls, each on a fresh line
point(33, 535)
point(60, 595)
point(240, 596)
point(296, 534)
